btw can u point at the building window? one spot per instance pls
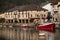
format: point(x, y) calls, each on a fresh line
point(8, 13)
point(42, 16)
point(26, 20)
point(7, 21)
point(55, 12)
point(18, 16)
point(22, 14)
point(31, 15)
point(37, 15)
point(16, 21)
point(26, 14)
point(19, 21)
point(11, 21)
point(23, 21)
point(11, 13)
point(31, 20)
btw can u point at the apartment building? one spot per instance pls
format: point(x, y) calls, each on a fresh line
point(28, 13)
point(25, 14)
point(56, 11)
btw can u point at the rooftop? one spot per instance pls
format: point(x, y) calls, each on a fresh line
point(26, 8)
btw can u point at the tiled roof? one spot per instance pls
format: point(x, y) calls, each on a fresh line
point(27, 7)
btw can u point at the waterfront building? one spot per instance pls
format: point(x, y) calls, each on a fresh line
point(25, 14)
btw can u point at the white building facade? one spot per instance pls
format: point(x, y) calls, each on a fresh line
point(23, 16)
point(28, 13)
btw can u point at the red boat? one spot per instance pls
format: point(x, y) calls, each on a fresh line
point(49, 27)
